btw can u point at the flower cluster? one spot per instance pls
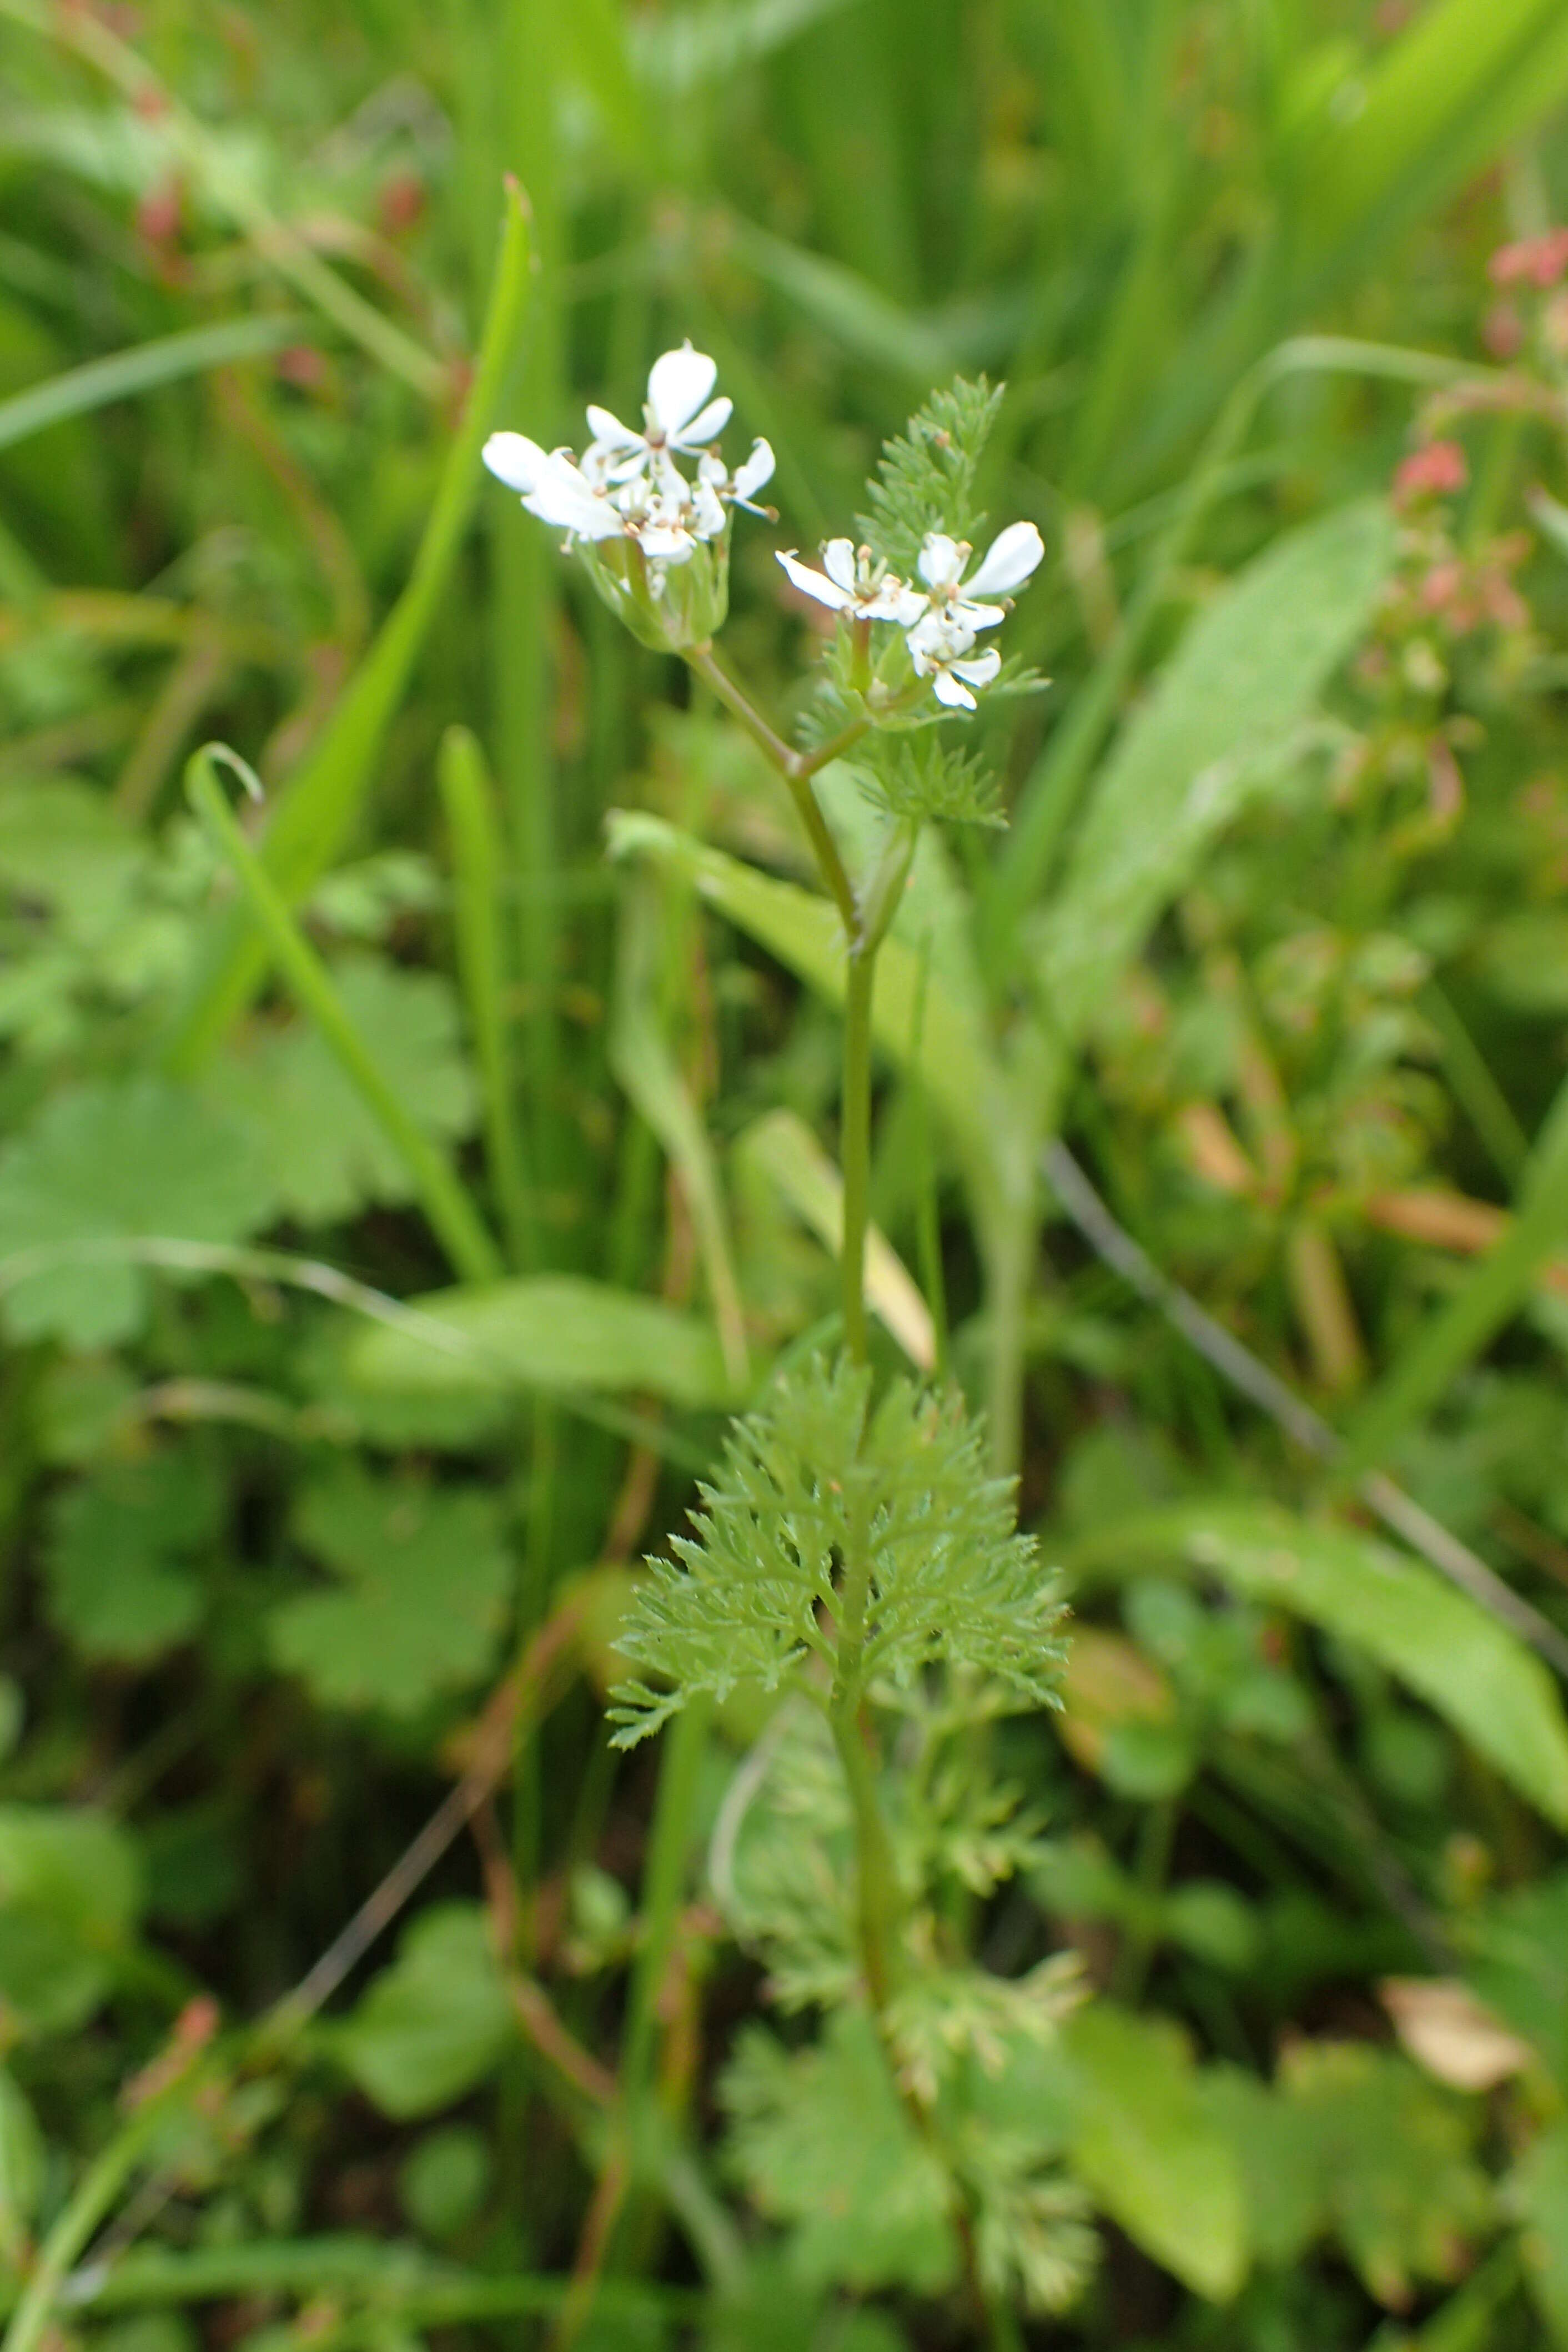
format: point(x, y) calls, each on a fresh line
point(943, 616)
point(655, 539)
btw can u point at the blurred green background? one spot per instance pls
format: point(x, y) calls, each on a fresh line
point(274, 1583)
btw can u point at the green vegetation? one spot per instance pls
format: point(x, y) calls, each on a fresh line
point(602, 1233)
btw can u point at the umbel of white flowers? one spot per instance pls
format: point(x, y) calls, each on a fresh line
point(655, 539)
point(942, 617)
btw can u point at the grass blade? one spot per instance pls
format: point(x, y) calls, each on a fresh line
point(143, 368)
point(316, 811)
point(453, 1217)
point(482, 966)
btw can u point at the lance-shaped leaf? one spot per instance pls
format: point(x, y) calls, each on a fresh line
point(1471, 1670)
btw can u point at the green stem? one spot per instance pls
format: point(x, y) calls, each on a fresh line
point(797, 768)
point(453, 1218)
point(855, 1145)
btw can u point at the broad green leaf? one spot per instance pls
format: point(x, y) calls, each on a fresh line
point(63, 843)
point(554, 1331)
point(1537, 2192)
point(1394, 2155)
point(444, 2179)
point(1145, 2145)
point(1219, 722)
point(70, 1894)
point(1470, 1669)
point(102, 1164)
point(1353, 2142)
point(433, 2024)
point(425, 1584)
point(117, 1576)
point(325, 1153)
point(824, 2148)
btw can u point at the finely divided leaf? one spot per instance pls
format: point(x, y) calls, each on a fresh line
point(814, 1475)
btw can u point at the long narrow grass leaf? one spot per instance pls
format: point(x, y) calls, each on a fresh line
point(453, 1217)
point(315, 813)
point(143, 368)
point(477, 866)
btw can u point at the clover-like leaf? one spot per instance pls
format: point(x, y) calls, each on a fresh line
point(435, 2022)
point(70, 1894)
point(101, 1166)
point(820, 1476)
point(117, 1570)
point(424, 1577)
point(325, 1155)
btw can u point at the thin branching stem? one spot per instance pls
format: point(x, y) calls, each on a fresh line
point(797, 768)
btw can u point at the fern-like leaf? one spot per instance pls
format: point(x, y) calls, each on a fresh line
point(926, 476)
point(753, 1591)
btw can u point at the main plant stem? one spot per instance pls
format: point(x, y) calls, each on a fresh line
point(855, 1143)
point(867, 916)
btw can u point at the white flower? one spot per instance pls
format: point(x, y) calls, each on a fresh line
point(942, 630)
point(674, 417)
point(941, 649)
point(553, 486)
point(1012, 558)
point(741, 486)
point(851, 582)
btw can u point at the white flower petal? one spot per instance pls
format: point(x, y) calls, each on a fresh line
point(666, 542)
point(515, 460)
point(941, 560)
point(813, 583)
point(947, 688)
point(976, 616)
point(981, 669)
point(678, 385)
point(757, 470)
point(708, 425)
point(610, 432)
point(1012, 557)
point(710, 514)
point(900, 602)
point(939, 635)
point(838, 562)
